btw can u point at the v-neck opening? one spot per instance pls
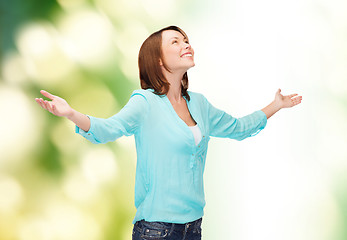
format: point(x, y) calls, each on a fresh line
point(182, 123)
point(180, 120)
point(175, 113)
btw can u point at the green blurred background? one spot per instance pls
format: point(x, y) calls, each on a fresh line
point(289, 182)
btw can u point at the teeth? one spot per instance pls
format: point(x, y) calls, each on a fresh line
point(187, 55)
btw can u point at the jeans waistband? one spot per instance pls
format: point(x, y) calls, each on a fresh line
point(172, 226)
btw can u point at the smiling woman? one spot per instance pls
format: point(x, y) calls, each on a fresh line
point(177, 51)
point(172, 127)
point(170, 54)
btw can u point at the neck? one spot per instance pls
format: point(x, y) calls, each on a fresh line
point(174, 79)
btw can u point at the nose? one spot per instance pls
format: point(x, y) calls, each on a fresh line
point(188, 46)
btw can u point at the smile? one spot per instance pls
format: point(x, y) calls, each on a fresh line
point(187, 55)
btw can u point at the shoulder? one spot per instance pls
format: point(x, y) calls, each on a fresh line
point(145, 93)
point(195, 96)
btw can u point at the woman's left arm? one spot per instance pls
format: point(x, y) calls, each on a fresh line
point(281, 102)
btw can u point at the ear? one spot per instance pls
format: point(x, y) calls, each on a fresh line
point(161, 62)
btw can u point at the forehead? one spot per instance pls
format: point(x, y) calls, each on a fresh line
point(168, 34)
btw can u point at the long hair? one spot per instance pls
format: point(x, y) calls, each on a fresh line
point(151, 75)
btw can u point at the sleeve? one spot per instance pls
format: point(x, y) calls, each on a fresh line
point(125, 123)
point(223, 125)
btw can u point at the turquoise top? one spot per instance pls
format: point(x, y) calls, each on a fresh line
point(169, 172)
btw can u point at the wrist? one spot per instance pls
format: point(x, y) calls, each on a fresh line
point(71, 115)
point(277, 106)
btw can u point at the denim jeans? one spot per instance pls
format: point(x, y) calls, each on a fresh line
point(144, 230)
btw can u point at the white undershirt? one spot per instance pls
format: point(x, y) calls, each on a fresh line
point(197, 133)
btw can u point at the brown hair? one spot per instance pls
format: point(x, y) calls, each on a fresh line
point(151, 75)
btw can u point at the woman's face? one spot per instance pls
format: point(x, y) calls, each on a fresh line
point(177, 52)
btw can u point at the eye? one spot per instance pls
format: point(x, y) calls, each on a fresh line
point(175, 41)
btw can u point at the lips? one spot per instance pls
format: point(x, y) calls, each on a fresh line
point(187, 54)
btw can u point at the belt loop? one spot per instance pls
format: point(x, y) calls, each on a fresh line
point(142, 227)
point(186, 226)
point(172, 228)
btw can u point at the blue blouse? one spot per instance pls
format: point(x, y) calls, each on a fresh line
point(169, 183)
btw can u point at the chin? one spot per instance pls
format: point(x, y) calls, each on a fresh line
point(193, 64)
point(186, 67)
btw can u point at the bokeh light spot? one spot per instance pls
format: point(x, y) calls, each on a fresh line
point(44, 58)
point(19, 126)
point(11, 194)
point(99, 165)
point(88, 38)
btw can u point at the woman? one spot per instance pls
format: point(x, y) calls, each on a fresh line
point(172, 127)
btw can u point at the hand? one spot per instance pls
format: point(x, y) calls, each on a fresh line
point(58, 106)
point(287, 101)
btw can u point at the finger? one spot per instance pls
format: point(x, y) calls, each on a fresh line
point(49, 107)
point(40, 101)
point(44, 104)
point(47, 94)
point(292, 95)
point(297, 100)
point(53, 109)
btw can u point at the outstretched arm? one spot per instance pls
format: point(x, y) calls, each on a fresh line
point(59, 107)
point(281, 102)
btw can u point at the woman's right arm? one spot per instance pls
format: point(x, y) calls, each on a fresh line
point(100, 130)
point(59, 107)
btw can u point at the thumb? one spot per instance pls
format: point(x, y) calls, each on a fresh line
point(47, 94)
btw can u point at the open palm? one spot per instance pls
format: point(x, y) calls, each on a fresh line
point(288, 100)
point(58, 106)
